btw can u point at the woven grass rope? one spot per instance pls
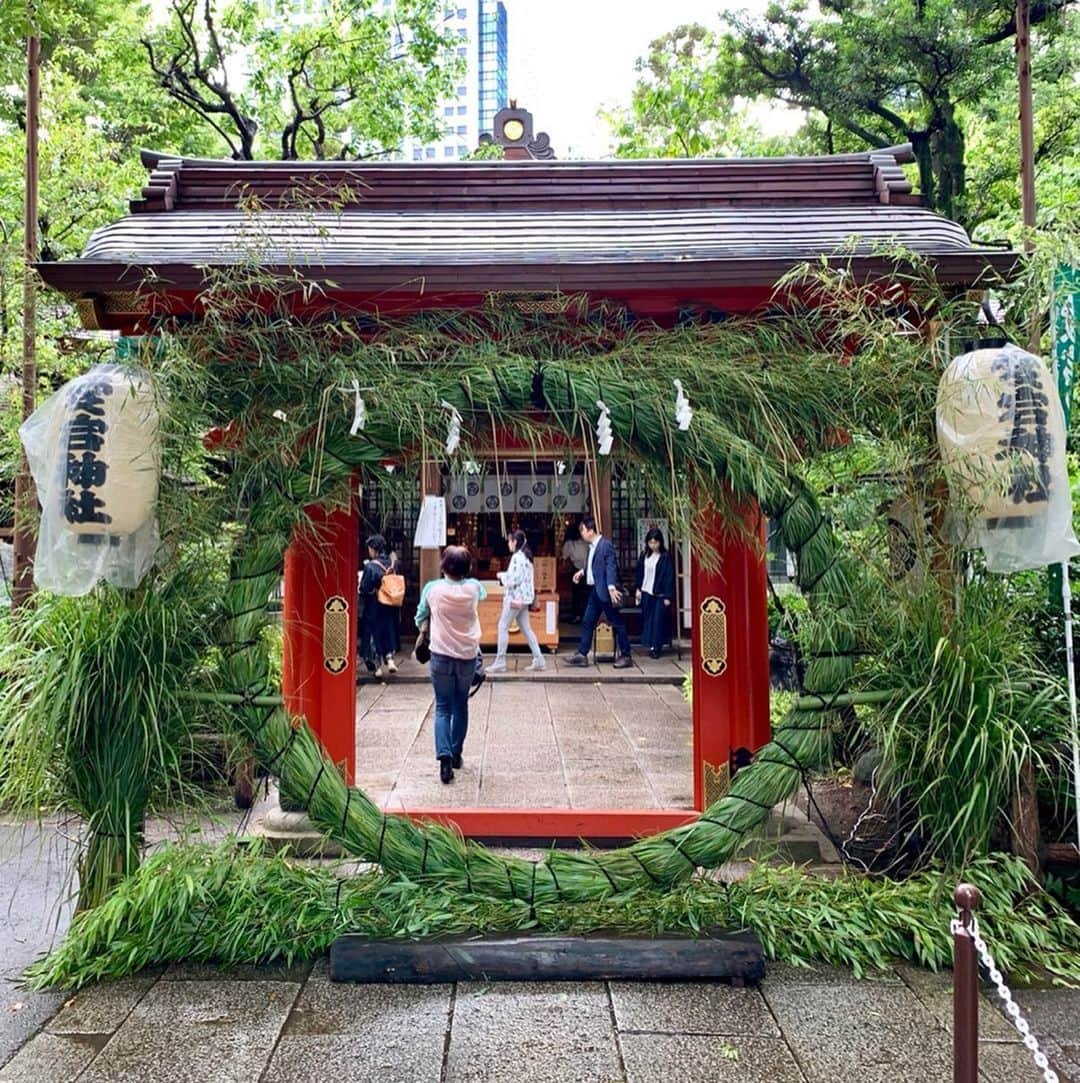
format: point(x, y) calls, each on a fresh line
point(428, 852)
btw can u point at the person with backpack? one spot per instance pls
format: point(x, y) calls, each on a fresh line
point(382, 589)
point(518, 594)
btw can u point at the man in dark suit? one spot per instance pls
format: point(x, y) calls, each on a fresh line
point(601, 574)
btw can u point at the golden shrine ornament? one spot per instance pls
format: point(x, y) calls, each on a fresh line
point(714, 647)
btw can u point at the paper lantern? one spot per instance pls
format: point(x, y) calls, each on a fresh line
point(1001, 432)
point(110, 449)
point(94, 448)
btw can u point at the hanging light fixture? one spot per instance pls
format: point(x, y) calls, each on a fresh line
point(94, 448)
point(1001, 432)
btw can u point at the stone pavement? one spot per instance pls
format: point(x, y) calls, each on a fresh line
point(35, 907)
point(545, 743)
point(192, 1024)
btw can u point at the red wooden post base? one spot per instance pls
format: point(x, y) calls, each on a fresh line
point(731, 661)
point(319, 662)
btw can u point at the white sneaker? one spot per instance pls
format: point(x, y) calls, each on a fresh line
point(379, 674)
point(498, 666)
point(536, 665)
point(391, 665)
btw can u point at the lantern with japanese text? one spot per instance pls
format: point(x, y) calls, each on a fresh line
point(1001, 432)
point(110, 452)
point(94, 448)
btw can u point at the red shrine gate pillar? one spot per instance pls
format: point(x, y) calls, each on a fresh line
point(730, 659)
point(319, 616)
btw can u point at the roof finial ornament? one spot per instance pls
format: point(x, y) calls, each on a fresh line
point(513, 131)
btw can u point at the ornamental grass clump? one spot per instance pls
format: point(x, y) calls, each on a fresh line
point(93, 712)
point(239, 903)
point(977, 704)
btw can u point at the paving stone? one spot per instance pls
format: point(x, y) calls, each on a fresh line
point(387, 1033)
point(1053, 1014)
point(523, 792)
point(873, 1032)
point(936, 993)
point(275, 971)
point(100, 1009)
point(528, 760)
point(52, 1058)
point(197, 1032)
point(691, 1008)
point(345, 1058)
point(532, 1033)
point(1007, 1062)
point(694, 1058)
point(779, 974)
point(613, 797)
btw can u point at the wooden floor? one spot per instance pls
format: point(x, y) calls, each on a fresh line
point(596, 738)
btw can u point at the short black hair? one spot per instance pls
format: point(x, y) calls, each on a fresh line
point(456, 561)
point(376, 542)
point(588, 522)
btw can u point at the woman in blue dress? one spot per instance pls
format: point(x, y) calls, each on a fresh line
point(655, 588)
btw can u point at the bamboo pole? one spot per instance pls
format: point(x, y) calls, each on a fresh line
point(25, 495)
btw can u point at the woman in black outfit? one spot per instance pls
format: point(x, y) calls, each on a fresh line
point(377, 630)
point(655, 588)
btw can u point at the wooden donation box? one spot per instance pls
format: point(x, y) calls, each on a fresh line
point(545, 623)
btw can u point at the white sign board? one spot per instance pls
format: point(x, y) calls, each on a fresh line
point(431, 525)
point(645, 525)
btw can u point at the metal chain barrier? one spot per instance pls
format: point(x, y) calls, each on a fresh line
point(1012, 1009)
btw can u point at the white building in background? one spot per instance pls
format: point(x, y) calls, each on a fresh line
point(480, 29)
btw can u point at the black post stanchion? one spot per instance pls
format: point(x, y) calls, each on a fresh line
point(965, 988)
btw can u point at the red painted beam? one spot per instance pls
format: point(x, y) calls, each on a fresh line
point(555, 823)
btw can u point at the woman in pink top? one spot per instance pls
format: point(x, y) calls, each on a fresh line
point(450, 605)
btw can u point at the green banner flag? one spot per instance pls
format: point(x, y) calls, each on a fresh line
point(1065, 354)
point(1065, 322)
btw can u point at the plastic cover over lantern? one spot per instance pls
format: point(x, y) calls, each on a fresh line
point(94, 451)
point(1001, 431)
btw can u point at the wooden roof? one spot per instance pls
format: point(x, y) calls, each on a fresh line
point(610, 227)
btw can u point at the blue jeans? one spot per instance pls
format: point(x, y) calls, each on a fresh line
point(593, 610)
point(451, 679)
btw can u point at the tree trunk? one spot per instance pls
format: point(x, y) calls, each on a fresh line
point(947, 151)
point(920, 143)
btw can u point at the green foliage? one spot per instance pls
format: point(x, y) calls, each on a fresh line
point(348, 80)
point(238, 904)
point(978, 706)
point(937, 74)
point(94, 712)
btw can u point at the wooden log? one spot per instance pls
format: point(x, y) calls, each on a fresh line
point(713, 956)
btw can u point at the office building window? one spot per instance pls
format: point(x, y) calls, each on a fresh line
point(418, 154)
point(462, 91)
point(462, 13)
point(463, 51)
point(448, 152)
point(462, 110)
point(462, 32)
point(462, 129)
point(430, 152)
point(448, 111)
point(462, 151)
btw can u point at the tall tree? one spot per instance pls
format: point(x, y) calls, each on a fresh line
point(868, 74)
point(349, 80)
